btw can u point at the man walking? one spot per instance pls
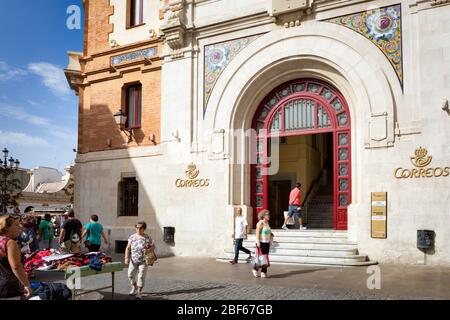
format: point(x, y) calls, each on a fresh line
point(70, 236)
point(46, 232)
point(240, 233)
point(295, 199)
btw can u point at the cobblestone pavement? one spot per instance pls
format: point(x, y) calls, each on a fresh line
point(169, 289)
point(205, 279)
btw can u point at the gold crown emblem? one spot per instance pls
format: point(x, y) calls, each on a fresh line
point(192, 171)
point(421, 160)
point(421, 152)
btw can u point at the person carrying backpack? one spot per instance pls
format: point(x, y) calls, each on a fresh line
point(70, 237)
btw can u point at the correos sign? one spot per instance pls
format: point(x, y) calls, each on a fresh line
point(192, 182)
point(421, 161)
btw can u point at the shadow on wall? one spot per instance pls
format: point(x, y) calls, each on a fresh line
point(103, 134)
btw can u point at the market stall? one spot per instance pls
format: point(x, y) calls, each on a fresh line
point(51, 264)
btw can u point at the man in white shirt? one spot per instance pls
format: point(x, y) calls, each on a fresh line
point(240, 233)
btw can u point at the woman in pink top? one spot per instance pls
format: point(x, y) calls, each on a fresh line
point(13, 280)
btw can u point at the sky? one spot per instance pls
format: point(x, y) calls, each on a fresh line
point(38, 111)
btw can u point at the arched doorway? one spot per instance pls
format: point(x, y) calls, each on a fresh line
point(304, 107)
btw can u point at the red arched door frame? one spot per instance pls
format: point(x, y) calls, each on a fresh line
point(304, 107)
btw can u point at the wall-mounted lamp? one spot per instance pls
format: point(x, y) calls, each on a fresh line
point(445, 106)
point(176, 136)
point(152, 138)
point(121, 120)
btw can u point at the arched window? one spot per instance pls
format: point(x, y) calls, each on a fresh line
point(304, 107)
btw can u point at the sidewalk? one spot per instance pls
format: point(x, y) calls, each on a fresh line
point(204, 278)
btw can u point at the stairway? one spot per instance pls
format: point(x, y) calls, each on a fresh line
point(307, 247)
point(320, 213)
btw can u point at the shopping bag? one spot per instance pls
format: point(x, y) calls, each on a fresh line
point(260, 260)
point(150, 257)
point(290, 220)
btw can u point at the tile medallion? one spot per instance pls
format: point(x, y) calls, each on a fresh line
point(217, 57)
point(383, 27)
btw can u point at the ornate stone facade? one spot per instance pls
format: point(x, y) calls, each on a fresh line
point(214, 63)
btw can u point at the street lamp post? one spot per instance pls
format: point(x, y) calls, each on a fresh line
point(8, 186)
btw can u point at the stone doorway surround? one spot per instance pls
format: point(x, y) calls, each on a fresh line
point(316, 50)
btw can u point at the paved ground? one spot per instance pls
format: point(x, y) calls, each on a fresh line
point(200, 279)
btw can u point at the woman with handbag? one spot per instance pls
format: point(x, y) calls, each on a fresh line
point(94, 233)
point(263, 237)
point(139, 244)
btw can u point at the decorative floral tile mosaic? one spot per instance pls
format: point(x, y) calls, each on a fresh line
point(217, 57)
point(382, 26)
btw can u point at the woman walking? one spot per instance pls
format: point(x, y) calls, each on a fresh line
point(94, 232)
point(263, 237)
point(138, 244)
point(27, 238)
point(13, 280)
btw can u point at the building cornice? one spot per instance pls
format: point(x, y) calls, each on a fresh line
point(120, 49)
point(119, 154)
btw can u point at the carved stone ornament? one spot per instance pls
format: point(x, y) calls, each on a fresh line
point(278, 7)
point(174, 27)
point(420, 5)
point(290, 13)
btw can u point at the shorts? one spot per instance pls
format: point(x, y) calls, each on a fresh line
point(293, 210)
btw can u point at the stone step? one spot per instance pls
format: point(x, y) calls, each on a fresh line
point(318, 218)
point(332, 261)
point(318, 240)
point(319, 212)
point(313, 224)
point(308, 233)
point(310, 223)
point(304, 252)
point(307, 247)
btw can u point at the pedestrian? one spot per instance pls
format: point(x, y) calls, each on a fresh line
point(64, 219)
point(240, 233)
point(263, 237)
point(295, 199)
point(70, 236)
point(13, 280)
point(46, 232)
point(138, 244)
point(27, 238)
point(94, 233)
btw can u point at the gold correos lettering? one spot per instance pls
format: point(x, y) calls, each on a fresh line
point(435, 172)
point(446, 172)
point(422, 173)
point(407, 172)
point(396, 173)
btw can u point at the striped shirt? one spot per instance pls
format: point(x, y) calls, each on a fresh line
point(266, 233)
